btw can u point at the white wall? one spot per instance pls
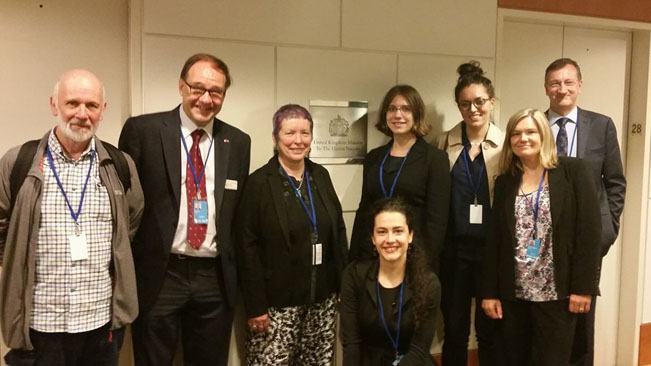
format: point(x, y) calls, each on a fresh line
point(42, 39)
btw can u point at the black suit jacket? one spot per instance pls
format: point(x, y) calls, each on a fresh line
point(597, 145)
point(576, 227)
point(154, 143)
point(272, 268)
point(424, 181)
point(363, 337)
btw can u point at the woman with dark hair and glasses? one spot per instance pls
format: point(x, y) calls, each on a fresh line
point(473, 147)
point(389, 302)
point(409, 167)
point(542, 253)
point(291, 250)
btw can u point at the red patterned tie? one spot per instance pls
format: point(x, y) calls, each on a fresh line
point(196, 232)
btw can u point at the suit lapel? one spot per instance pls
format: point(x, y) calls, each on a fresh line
point(583, 124)
point(170, 136)
point(556, 195)
point(222, 151)
point(278, 195)
point(511, 193)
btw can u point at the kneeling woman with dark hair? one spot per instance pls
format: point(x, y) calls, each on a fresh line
point(389, 303)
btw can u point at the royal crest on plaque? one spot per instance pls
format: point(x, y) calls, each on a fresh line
point(339, 127)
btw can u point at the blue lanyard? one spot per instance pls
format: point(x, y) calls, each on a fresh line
point(197, 180)
point(535, 210)
point(475, 189)
point(75, 215)
point(311, 216)
point(396, 341)
point(395, 180)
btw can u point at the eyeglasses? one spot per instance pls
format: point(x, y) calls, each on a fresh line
point(557, 84)
point(403, 109)
point(477, 102)
point(198, 92)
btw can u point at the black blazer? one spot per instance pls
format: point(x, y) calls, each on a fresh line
point(363, 337)
point(271, 269)
point(576, 232)
point(597, 145)
point(154, 142)
point(425, 181)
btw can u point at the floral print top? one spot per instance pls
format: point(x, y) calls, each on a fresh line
point(534, 277)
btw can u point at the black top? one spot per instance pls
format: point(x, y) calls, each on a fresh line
point(364, 339)
point(274, 239)
point(576, 225)
point(463, 195)
point(301, 239)
point(424, 182)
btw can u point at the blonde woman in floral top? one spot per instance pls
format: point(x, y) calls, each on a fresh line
point(542, 254)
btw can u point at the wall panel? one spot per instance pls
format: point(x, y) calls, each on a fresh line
point(310, 22)
point(461, 27)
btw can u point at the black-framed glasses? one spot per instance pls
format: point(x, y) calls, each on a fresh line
point(402, 109)
point(477, 102)
point(198, 92)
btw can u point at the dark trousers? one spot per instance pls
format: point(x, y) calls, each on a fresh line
point(94, 347)
point(190, 303)
point(460, 279)
point(537, 333)
point(583, 349)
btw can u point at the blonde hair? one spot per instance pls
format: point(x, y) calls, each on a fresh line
point(509, 162)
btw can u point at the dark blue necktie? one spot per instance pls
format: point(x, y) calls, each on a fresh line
point(561, 137)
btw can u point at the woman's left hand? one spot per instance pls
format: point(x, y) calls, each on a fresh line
point(580, 303)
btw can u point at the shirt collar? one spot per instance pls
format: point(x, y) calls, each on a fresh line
point(572, 116)
point(188, 126)
point(57, 150)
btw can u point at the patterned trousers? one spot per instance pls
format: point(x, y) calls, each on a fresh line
point(297, 335)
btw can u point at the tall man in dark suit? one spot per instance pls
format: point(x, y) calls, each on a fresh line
point(193, 167)
point(590, 136)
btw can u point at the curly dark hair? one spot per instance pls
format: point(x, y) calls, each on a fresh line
point(420, 276)
point(471, 73)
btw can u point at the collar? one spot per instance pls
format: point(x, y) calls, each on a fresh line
point(188, 126)
point(493, 135)
point(572, 116)
point(57, 150)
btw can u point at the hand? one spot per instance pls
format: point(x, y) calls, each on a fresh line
point(492, 308)
point(580, 303)
point(259, 324)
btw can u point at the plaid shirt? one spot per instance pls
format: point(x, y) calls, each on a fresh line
point(72, 296)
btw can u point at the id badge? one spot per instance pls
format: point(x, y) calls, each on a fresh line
point(317, 254)
point(396, 362)
point(475, 214)
point(200, 208)
point(533, 249)
point(78, 247)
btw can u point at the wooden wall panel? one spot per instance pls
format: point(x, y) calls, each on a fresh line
point(636, 10)
point(645, 345)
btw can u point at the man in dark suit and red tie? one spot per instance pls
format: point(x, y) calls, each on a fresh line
point(192, 167)
point(592, 137)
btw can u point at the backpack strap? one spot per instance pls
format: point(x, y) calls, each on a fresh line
point(26, 155)
point(21, 166)
point(121, 165)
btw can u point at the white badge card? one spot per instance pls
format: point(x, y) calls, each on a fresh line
point(317, 254)
point(475, 214)
point(231, 185)
point(78, 247)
